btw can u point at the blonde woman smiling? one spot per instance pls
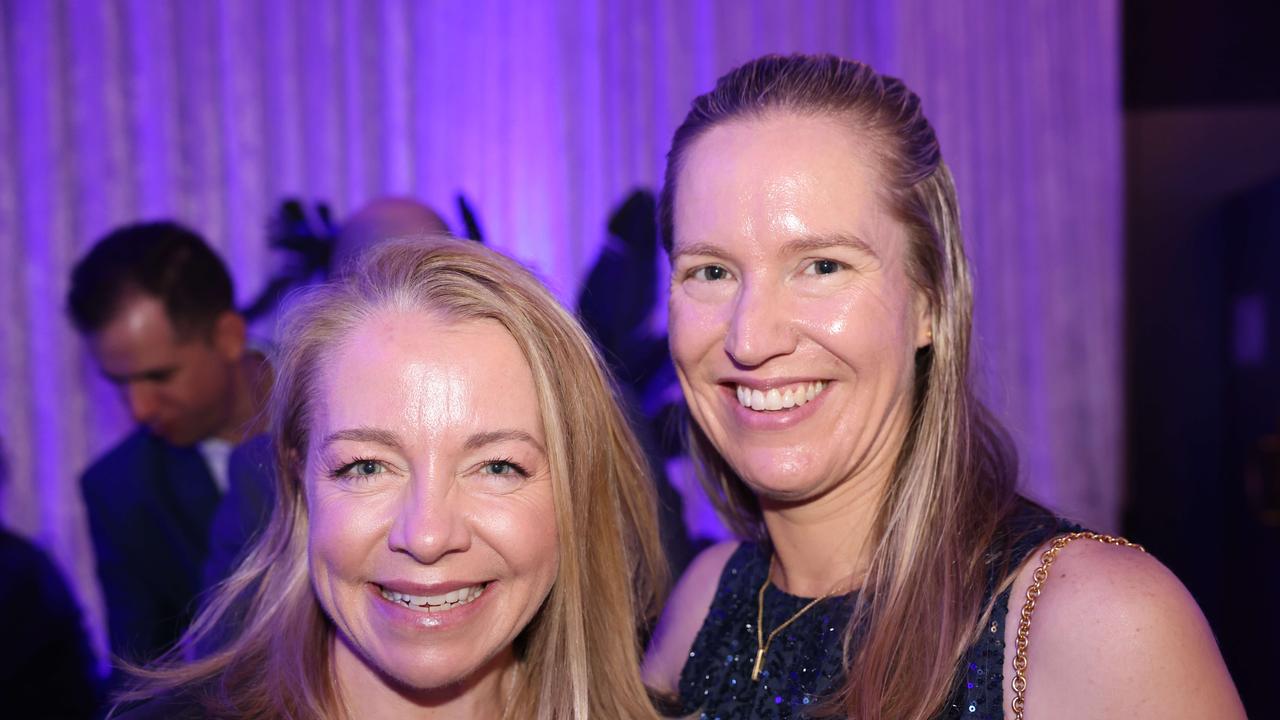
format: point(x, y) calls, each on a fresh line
point(464, 526)
point(820, 325)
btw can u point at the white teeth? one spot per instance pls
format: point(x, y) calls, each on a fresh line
point(775, 399)
point(435, 603)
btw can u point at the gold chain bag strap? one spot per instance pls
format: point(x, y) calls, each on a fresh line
point(1023, 640)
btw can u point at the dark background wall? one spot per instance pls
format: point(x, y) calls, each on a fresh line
point(1202, 134)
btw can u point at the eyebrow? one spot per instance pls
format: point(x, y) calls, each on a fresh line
point(697, 248)
point(480, 440)
point(821, 242)
point(364, 434)
point(157, 373)
point(804, 243)
point(390, 439)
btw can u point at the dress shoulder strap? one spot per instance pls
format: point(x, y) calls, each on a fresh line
point(1022, 641)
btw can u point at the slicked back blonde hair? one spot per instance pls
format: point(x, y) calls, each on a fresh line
point(580, 656)
point(922, 602)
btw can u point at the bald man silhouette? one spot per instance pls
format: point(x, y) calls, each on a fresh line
point(385, 218)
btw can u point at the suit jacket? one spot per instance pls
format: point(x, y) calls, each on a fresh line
point(150, 506)
point(244, 511)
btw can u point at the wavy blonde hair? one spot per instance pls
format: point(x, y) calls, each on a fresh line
point(923, 600)
point(580, 656)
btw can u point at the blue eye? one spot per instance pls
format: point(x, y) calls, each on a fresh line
point(823, 267)
point(710, 273)
point(503, 467)
point(360, 469)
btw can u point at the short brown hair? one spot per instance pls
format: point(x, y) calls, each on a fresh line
point(163, 260)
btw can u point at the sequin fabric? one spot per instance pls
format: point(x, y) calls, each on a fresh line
point(804, 663)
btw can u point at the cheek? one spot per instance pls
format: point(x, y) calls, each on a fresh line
point(338, 538)
point(542, 554)
point(523, 531)
point(861, 327)
point(850, 311)
point(320, 544)
point(198, 385)
point(693, 329)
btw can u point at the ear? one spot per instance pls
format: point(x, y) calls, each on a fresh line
point(924, 321)
point(230, 335)
point(297, 467)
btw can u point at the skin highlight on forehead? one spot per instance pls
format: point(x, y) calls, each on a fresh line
point(434, 396)
point(431, 397)
point(794, 200)
point(138, 340)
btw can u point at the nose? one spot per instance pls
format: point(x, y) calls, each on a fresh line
point(143, 403)
point(761, 325)
point(430, 522)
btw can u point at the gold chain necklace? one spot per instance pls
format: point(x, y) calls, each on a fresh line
point(762, 644)
point(1022, 640)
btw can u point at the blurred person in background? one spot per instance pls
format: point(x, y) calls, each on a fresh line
point(616, 306)
point(154, 304)
point(311, 248)
point(379, 220)
point(46, 667)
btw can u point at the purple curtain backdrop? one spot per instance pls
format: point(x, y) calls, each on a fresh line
point(544, 114)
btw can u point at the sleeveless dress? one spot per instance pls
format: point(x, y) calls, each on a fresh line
point(804, 664)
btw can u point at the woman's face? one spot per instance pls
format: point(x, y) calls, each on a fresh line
point(432, 532)
point(793, 325)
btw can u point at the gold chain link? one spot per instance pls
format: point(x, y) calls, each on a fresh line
point(762, 645)
point(1023, 640)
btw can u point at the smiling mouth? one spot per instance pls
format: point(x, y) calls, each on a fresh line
point(435, 603)
point(779, 398)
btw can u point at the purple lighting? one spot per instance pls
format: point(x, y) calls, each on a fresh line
point(545, 115)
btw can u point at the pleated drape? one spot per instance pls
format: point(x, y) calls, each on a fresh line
point(544, 114)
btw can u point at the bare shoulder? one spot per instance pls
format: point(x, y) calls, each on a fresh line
point(683, 616)
point(1115, 635)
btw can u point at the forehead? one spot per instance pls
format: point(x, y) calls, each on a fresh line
point(139, 316)
point(140, 334)
point(423, 376)
point(777, 177)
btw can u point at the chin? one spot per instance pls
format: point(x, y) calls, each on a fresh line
point(169, 436)
point(780, 477)
point(418, 675)
point(784, 493)
point(417, 682)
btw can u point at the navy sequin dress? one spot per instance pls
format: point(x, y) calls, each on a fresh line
point(804, 663)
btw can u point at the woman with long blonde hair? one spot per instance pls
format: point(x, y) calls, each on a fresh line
point(464, 526)
point(820, 326)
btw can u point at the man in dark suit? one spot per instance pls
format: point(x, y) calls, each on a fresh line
point(155, 305)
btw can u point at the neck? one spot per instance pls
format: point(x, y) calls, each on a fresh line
point(250, 385)
point(368, 693)
point(823, 545)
